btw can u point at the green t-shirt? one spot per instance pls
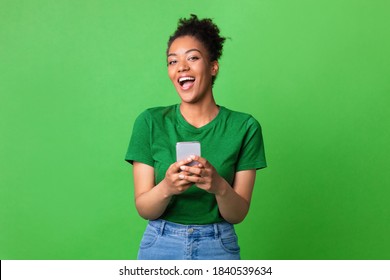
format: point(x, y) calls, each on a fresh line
point(231, 142)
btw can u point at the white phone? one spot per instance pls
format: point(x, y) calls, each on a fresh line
point(186, 149)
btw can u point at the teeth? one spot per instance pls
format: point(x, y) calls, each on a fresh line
point(184, 79)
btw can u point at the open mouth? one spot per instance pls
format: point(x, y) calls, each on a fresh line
point(186, 82)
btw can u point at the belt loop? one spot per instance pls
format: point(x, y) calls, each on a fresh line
point(162, 226)
point(216, 232)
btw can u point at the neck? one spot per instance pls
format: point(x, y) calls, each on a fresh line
point(199, 115)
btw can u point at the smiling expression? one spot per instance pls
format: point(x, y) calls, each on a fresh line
point(190, 69)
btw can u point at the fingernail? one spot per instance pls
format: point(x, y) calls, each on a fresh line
point(192, 157)
point(182, 167)
point(189, 159)
point(181, 176)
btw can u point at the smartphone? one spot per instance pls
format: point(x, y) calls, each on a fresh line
point(186, 149)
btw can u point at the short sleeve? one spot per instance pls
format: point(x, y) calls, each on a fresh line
point(140, 145)
point(252, 154)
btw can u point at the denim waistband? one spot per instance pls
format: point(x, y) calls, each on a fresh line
point(170, 228)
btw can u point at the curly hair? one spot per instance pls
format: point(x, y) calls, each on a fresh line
point(203, 30)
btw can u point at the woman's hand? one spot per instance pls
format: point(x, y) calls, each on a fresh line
point(233, 201)
point(203, 175)
point(151, 201)
point(174, 178)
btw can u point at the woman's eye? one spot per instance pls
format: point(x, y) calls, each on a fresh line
point(172, 62)
point(193, 58)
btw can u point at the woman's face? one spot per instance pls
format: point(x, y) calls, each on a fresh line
point(190, 69)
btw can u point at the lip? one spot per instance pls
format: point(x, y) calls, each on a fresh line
point(186, 86)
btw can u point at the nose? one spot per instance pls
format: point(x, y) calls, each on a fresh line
point(183, 66)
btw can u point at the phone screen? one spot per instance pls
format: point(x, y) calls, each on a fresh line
point(186, 149)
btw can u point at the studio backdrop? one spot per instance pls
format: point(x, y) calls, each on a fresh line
point(75, 74)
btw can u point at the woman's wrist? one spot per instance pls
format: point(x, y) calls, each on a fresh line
point(222, 187)
point(163, 189)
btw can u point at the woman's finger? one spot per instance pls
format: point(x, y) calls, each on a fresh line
point(201, 161)
point(192, 170)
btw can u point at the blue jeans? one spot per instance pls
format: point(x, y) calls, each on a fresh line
point(165, 240)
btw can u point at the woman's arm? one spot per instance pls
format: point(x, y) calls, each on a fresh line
point(233, 201)
point(150, 200)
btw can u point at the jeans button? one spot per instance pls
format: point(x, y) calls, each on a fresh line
point(190, 230)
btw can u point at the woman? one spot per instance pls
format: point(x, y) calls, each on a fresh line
point(192, 209)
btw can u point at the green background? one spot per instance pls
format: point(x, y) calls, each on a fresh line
point(75, 74)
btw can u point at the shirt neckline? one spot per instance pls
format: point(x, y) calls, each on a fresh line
point(194, 129)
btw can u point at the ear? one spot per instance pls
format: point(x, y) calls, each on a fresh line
point(214, 68)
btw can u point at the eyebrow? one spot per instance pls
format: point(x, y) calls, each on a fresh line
point(190, 50)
